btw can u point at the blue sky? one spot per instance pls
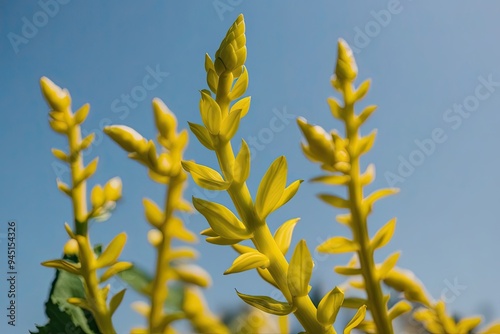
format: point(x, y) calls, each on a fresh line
point(436, 79)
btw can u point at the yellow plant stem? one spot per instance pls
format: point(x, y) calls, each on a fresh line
point(359, 225)
point(159, 290)
point(78, 192)
point(86, 255)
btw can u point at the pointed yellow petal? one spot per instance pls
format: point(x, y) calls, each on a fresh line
point(248, 261)
point(205, 177)
point(221, 220)
point(271, 187)
point(329, 306)
point(230, 126)
point(384, 235)
point(210, 113)
point(154, 215)
point(283, 235)
point(243, 105)
point(338, 245)
point(111, 253)
point(300, 270)
point(240, 86)
point(356, 320)
point(241, 167)
point(267, 304)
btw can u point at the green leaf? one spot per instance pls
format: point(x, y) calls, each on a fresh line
point(64, 317)
point(205, 177)
point(138, 279)
point(300, 270)
point(271, 187)
point(248, 261)
point(356, 320)
point(202, 135)
point(111, 253)
point(283, 235)
point(221, 220)
point(329, 306)
point(384, 235)
point(267, 304)
point(338, 245)
point(241, 167)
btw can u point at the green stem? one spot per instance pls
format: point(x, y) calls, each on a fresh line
point(359, 226)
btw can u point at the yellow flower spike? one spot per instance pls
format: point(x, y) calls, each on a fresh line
point(113, 189)
point(58, 98)
point(62, 120)
point(129, 139)
point(232, 52)
point(226, 229)
point(155, 237)
point(341, 156)
point(71, 247)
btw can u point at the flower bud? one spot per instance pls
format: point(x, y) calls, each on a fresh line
point(113, 189)
point(129, 139)
point(346, 68)
point(58, 98)
point(71, 247)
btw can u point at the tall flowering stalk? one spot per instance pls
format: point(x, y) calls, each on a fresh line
point(164, 167)
point(340, 158)
point(227, 78)
point(103, 198)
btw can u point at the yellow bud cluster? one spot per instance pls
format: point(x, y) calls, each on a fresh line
point(232, 52)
